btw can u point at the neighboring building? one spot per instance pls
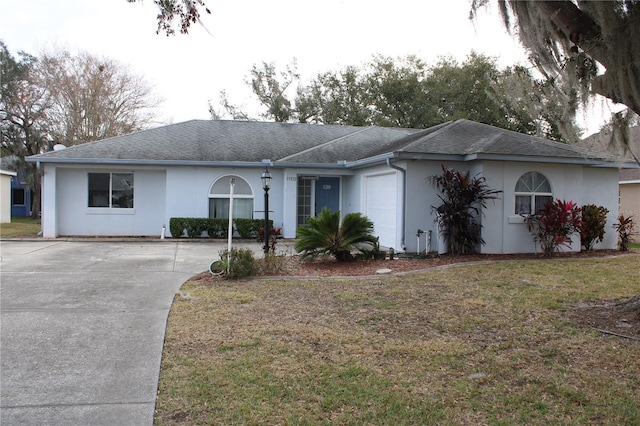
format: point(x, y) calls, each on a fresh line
point(630, 196)
point(133, 184)
point(6, 176)
point(21, 194)
point(629, 179)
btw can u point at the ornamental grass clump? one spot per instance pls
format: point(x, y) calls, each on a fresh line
point(554, 225)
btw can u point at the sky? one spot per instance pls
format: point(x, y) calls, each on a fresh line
point(188, 71)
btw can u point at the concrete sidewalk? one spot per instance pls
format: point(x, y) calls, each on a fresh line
point(82, 326)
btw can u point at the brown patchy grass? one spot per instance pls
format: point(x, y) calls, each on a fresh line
point(20, 227)
point(498, 343)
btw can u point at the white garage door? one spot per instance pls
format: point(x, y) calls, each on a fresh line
point(380, 206)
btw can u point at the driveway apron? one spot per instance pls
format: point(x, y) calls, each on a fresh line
point(82, 327)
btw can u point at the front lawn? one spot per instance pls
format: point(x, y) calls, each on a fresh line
point(20, 226)
point(494, 343)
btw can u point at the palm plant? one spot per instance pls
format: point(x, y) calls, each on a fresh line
point(463, 197)
point(325, 236)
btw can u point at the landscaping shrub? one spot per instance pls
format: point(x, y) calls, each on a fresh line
point(553, 227)
point(325, 236)
point(594, 219)
point(624, 227)
point(463, 198)
point(216, 227)
point(274, 234)
point(244, 227)
point(243, 263)
point(176, 227)
point(272, 263)
point(194, 226)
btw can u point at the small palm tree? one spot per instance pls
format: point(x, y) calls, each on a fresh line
point(324, 236)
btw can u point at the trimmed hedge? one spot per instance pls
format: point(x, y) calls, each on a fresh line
point(194, 227)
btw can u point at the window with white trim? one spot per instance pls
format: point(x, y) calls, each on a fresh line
point(111, 190)
point(242, 198)
point(533, 190)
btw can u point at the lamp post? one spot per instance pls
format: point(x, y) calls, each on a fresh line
point(266, 184)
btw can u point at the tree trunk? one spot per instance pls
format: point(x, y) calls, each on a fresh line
point(631, 305)
point(37, 192)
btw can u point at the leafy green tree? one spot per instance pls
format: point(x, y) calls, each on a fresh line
point(324, 235)
point(405, 92)
point(335, 97)
point(24, 108)
point(270, 91)
point(463, 197)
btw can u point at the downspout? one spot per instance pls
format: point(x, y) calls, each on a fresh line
point(404, 200)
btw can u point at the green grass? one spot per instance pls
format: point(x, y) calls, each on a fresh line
point(634, 246)
point(482, 344)
point(20, 226)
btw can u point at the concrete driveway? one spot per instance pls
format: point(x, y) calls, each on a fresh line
point(82, 327)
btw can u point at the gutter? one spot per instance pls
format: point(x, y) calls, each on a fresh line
point(133, 162)
point(404, 201)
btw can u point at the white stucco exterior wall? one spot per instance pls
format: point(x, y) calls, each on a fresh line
point(49, 219)
point(421, 195)
point(188, 190)
point(600, 187)
point(582, 185)
point(74, 217)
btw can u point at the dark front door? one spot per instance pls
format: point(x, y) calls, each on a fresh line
point(327, 194)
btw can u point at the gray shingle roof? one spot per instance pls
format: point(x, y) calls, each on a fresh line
point(223, 141)
point(604, 142)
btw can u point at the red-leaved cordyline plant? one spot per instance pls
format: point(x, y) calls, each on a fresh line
point(624, 227)
point(554, 225)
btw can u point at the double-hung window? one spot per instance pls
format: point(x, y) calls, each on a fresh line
point(111, 190)
point(533, 190)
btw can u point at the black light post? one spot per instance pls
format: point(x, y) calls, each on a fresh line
point(266, 184)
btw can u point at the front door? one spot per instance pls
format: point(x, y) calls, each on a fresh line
point(327, 194)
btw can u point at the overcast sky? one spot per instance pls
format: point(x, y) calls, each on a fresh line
point(187, 71)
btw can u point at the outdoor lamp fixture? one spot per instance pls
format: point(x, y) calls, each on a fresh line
point(266, 184)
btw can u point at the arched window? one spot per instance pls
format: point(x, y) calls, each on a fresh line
point(242, 198)
point(533, 190)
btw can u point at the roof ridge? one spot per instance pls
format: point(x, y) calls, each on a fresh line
point(431, 133)
point(324, 144)
point(483, 143)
